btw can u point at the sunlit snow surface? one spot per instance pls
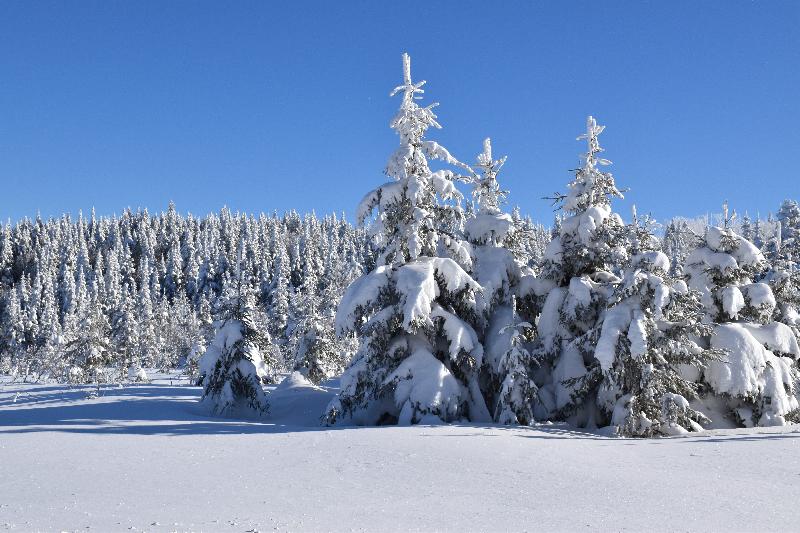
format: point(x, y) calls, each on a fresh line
point(145, 458)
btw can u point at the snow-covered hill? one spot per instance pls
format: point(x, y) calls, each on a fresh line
point(145, 458)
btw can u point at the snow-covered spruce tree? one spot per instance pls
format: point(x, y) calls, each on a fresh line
point(517, 391)
point(419, 356)
point(756, 376)
point(87, 349)
point(783, 275)
point(318, 354)
point(507, 365)
point(233, 367)
point(577, 279)
point(789, 219)
point(678, 241)
point(647, 337)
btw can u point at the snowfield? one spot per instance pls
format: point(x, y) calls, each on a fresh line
point(145, 458)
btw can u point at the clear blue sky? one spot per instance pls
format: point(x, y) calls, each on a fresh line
point(265, 107)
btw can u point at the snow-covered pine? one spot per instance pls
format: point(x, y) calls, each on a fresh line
point(783, 275)
point(419, 355)
point(646, 344)
point(757, 376)
point(678, 242)
point(514, 400)
point(507, 364)
point(233, 367)
point(578, 276)
point(317, 353)
point(789, 219)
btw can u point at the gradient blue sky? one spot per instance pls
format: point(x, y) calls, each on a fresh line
point(267, 106)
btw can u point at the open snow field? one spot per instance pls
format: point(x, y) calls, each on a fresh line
point(144, 458)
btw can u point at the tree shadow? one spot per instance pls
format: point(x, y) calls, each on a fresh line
point(162, 409)
point(146, 409)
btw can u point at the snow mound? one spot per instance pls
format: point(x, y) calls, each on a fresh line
point(425, 388)
point(749, 371)
point(295, 380)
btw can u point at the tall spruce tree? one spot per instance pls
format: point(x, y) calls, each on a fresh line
point(578, 277)
point(419, 354)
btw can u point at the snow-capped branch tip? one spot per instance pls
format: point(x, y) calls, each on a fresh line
point(593, 130)
point(409, 88)
point(485, 159)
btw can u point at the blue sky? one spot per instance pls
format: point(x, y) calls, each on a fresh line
point(263, 107)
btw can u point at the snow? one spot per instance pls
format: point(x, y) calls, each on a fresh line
point(417, 284)
point(586, 222)
point(549, 319)
point(706, 258)
point(461, 336)
point(483, 226)
point(555, 250)
point(750, 369)
point(425, 387)
point(732, 301)
point(618, 318)
point(360, 293)
point(775, 336)
point(637, 334)
point(496, 271)
point(580, 292)
point(739, 373)
point(137, 374)
point(143, 457)
point(745, 252)
point(652, 260)
point(759, 295)
point(570, 365)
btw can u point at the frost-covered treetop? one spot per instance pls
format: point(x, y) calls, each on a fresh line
point(489, 224)
point(591, 237)
point(487, 193)
point(413, 210)
point(411, 122)
point(591, 186)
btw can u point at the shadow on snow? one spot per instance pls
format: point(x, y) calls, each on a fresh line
point(156, 409)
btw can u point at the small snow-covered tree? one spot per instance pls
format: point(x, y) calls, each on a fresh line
point(232, 366)
point(783, 275)
point(492, 233)
point(517, 391)
point(757, 374)
point(789, 219)
point(647, 339)
point(87, 348)
point(318, 354)
point(419, 354)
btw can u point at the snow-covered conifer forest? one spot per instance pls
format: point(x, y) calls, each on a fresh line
point(440, 304)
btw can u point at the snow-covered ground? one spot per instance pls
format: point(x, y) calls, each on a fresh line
point(143, 457)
